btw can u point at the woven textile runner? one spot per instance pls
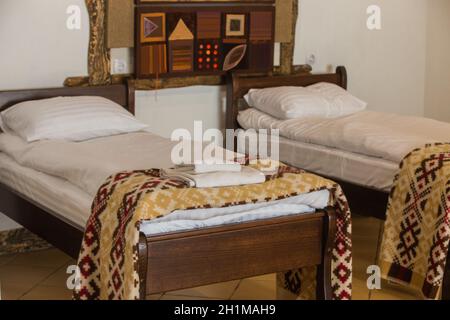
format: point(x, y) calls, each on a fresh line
point(108, 259)
point(417, 230)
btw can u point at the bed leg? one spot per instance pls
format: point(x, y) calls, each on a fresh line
point(446, 284)
point(142, 265)
point(324, 289)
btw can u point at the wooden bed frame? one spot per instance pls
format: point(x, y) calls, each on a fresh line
point(187, 259)
point(364, 200)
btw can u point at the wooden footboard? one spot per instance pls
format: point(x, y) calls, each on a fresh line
point(184, 260)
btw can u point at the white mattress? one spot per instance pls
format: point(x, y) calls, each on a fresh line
point(343, 165)
point(375, 134)
point(72, 204)
point(338, 164)
point(364, 148)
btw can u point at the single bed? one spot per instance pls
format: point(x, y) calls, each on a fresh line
point(235, 240)
point(365, 167)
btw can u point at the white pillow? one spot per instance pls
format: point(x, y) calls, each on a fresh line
point(323, 100)
point(69, 118)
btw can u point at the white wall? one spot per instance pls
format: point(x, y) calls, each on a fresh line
point(437, 93)
point(387, 68)
point(36, 48)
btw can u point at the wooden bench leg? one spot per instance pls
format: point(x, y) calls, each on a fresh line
point(324, 289)
point(143, 255)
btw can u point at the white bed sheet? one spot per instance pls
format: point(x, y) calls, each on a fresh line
point(357, 168)
point(375, 134)
point(343, 165)
point(49, 191)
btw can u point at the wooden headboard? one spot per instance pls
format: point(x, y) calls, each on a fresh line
point(119, 93)
point(239, 84)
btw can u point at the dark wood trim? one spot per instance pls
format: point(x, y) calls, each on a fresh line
point(239, 251)
point(324, 286)
point(143, 265)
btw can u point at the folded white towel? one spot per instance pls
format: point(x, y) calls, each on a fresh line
point(206, 168)
point(215, 179)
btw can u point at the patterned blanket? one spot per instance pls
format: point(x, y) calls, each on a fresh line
point(108, 258)
point(417, 230)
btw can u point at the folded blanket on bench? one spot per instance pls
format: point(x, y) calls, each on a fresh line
point(215, 179)
point(417, 230)
point(109, 253)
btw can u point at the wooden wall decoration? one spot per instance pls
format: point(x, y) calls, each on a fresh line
point(104, 13)
point(99, 59)
point(208, 25)
point(120, 23)
point(221, 35)
point(181, 48)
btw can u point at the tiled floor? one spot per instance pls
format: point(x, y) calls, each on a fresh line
point(42, 275)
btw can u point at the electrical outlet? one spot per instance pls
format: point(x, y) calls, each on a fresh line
point(311, 59)
point(120, 66)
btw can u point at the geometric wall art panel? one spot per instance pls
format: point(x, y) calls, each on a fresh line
point(181, 48)
point(234, 57)
point(208, 55)
point(153, 27)
point(235, 25)
point(260, 56)
point(208, 25)
point(261, 26)
point(184, 39)
point(153, 59)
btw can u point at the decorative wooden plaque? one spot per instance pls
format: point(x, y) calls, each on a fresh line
point(187, 39)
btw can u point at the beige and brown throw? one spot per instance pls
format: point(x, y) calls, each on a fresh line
point(417, 230)
point(108, 258)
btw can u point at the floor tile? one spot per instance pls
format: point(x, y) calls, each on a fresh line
point(359, 289)
point(250, 289)
point(392, 291)
point(216, 291)
point(11, 291)
point(154, 297)
point(269, 277)
point(26, 275)
point(364, 253)
point(365, 225)
point(44, 258)
point(48, 293)
point(6, 258)
point(17, 280)
point(57, 278)
point(388, 294)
